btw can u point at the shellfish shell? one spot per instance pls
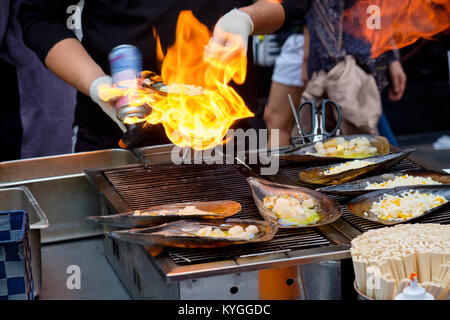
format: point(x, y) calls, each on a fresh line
point(161, 214)
point(328, 209)
point(181, 234)
point(317, 175)
point(299, 153)
point(363, 203)
point(358, 187)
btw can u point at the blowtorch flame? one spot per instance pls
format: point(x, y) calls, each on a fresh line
point(402, 22)
point(200, 121)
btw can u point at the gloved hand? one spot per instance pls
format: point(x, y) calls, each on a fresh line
point(230, 35)
point(106, 105)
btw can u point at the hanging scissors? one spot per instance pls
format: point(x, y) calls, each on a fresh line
point(318, 120)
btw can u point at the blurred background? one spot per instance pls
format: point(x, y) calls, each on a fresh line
point(421, 119)
point(422, 116)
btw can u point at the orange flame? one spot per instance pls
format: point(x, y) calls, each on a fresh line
point(199, 120)
point(402, 22)
point(199, 107)
point(159, 51)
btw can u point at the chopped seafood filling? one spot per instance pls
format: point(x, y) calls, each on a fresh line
point(236, 232)
point(409, 204)
point(339, 147)
point(293, 210)
point(188, 210)
point(405, 180)
point(355, 164)
point(191, 210)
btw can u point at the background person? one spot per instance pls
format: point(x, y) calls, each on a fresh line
point(37, 108)
point(286, 79)
point(340, 66)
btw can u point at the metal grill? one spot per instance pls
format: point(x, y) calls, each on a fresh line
point(291, 173)
point(284, 241)
point(141, 187)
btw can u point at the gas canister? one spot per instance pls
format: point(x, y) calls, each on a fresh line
point(126, 67)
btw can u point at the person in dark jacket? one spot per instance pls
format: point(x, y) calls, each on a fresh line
point(45, 102)
point(332, 48)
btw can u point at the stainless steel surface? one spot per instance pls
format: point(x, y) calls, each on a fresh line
point(322, 280)
point(62, 190)
point(19, 171)
point(361, 296)
point(173, 272)
point(318, 281)
point(167, 153)
point(137, 272)
point(97, 279)
point(154, 154)
point(143, 278)
point(20, 198)
point(236, 286)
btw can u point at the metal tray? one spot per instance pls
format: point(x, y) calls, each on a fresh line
point(62, 190)
point(20, 198)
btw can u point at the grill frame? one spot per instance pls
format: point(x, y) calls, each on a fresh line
point(337, 247)
point(339, 233)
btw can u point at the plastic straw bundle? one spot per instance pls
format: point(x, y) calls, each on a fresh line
point(384, 258)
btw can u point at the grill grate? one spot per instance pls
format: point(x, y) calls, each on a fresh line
point(142, 187)
point(283, 241)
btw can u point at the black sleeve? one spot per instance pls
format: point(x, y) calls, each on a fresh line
point(393, 55)
point(44, 23)
point(294, 10)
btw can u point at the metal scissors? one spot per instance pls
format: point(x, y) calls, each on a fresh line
point(318, 120)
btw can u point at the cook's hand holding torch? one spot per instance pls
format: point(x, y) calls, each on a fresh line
point(106, 103)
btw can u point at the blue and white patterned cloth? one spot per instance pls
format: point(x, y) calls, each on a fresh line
point(16, 281)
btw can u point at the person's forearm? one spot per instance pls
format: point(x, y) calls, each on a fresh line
point(70, 61)
point(267, 16)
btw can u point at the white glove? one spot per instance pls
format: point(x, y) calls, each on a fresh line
point(233, 23)
point(107, 106)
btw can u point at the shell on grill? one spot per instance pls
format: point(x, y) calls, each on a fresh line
point(359, 186)
point(316, 175)
point(360, 206)
point(165, 213)
point(328, 210)
point(308, 152)
point(182, 234)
